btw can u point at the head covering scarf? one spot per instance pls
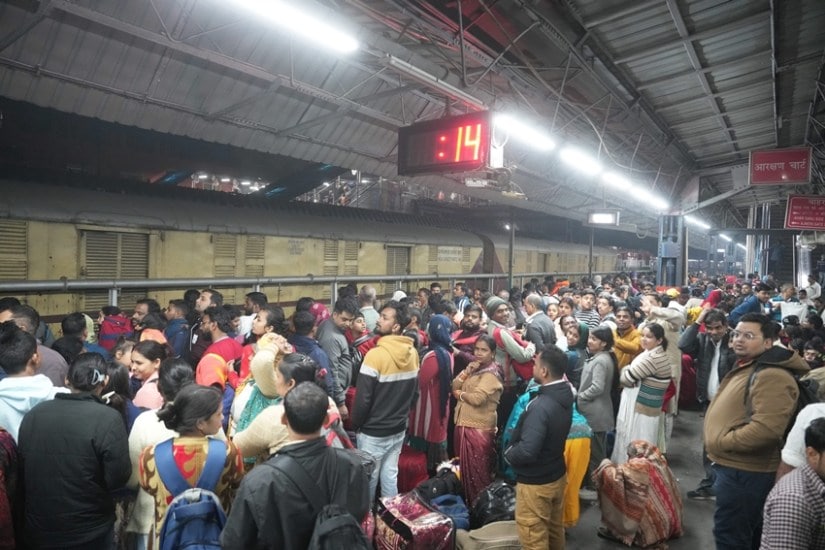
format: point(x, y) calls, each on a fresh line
point(320, 312)
point(584, 334)
point(439, 333)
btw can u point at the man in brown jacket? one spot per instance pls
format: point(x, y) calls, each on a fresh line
point(744, 427)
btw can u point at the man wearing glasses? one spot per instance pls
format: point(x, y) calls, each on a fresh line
point(744, 427)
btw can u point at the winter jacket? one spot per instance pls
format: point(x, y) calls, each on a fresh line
point(76, 453)
point(387, 387)
point(540, 330)
point(627, 346)
point(177, 336)
point(594, 399)
point(752, 442)
point(310, 347)
point(511, 350)
point(271, 512)
point(700, 346)
point(111, 328)
point(334, 342)
point(537, 449)
point(750, 305)
point(19, 395)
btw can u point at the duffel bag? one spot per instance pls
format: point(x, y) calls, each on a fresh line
point(499, 535)
point(406, 522)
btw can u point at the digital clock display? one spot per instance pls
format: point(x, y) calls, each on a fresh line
point(453, 144)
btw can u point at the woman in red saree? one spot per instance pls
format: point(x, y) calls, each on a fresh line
point(639, 499)
point(477, 391)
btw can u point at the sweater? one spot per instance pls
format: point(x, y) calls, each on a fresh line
point(479, 400)
point(387, 387)
point(594, 399)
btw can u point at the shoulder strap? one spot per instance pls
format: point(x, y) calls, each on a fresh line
point(300, 478)
point(172, 478)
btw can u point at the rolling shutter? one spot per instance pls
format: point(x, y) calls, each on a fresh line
point(14, 249)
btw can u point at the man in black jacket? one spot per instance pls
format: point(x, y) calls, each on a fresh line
point(537, 455)
point(272, 508)
point(714, 359)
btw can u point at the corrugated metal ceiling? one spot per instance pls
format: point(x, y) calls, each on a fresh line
point(665, 91)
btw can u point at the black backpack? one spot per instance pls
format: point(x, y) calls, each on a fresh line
point(335, 527)
point(808, 393)
point(497, 502)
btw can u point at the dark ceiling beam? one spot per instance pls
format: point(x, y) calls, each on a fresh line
point(609, 16)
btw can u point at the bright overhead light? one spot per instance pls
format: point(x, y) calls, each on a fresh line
point(522, 132)
point(720, 250)
point(614, 179)
point(581, 161)
point(695, 221)
point(725, 237)
point(640, 194)
point(246, 182)
point(203, 176)
point(297, 21)
point(225, 180)
point(742, 246)
point(433, 82)
point(507, 226)
point(326, 184)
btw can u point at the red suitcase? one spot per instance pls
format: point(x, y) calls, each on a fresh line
point(412, 469)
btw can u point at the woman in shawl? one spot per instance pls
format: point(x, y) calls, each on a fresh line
point(576, 334)
point(639, 500)
point(478, 391)
point(428, 420)
point(258, 391)
point(644, 381)
point(593, 400)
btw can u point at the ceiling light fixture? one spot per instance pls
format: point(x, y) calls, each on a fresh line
point(695, 221)
point(246, 182)
point(617, 181)
point(433, 82)
point(522, 132)
point(298, 22)
point(581, 161)
point(742, 246)
point(725, 237)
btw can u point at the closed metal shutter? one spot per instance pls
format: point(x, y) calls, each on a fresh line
point(14, 249)
point(111, 255)
point(398, 260)
point(350, 258)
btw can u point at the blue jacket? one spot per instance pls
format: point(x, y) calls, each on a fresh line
point(537, 448)
point(750, 305)
point(310, 347)
point(177, 335)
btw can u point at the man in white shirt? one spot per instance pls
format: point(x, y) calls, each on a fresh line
point(813, 289)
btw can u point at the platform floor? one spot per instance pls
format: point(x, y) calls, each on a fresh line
point(685, 459)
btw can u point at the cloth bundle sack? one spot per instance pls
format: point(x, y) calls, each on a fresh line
point(499, 535)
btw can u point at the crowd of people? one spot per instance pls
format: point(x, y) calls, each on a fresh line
point(568, 389)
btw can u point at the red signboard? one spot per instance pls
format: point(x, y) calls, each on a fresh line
point(805, 212)
point(780, 166)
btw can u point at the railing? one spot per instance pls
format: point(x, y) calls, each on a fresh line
point(114, 286)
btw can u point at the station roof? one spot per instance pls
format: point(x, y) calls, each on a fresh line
point(672, 94)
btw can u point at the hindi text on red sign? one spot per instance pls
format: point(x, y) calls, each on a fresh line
point(790, 166)
point(805, 212)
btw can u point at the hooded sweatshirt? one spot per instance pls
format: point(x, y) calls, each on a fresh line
point(537, 449)
point(753, 443)
point(387, 387)
point(19, 395)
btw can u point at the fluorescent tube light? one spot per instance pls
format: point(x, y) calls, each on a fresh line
point(725, 237)
point(695, 221)
point(742, 246)
point(617, 181)
point(581, 161)
point(296, 21)
point(433, 82)
point(522, 132)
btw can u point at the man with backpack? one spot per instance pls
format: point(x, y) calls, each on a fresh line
point(744, 427)
point(279, 501)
